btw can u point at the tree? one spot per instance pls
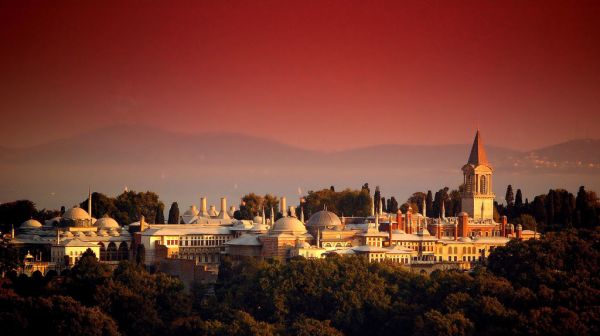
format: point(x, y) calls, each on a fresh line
point(101, 205)
point(160, 214)
point(510, 197)
point(429, 202)
point(15, 213)
point(393, 206)
point(311, 327)
point(377, 198)
point(174, 213)
point(519, 200)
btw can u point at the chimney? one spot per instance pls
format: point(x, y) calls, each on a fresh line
point(203, 211)
point(456, 230)
point(463, 224)
point(503, 225)
point(283, 207)
point(142, 223)
point(519, 231)
point(223, 204)
point(439, 231)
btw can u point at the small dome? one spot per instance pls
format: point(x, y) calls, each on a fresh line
point(465, 239)
point(257, 219)
point(30, 224)
point(324, 218)
point(519, 227)
point(192, 211)
point(107, 223)
point(289, 225)
point(463, 214)
point(76, 213)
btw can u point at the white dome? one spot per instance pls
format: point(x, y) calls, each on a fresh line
point(289, 225)
point(324, 219)
point(76, 213)
point(30, 224)
point(192, 211)
point(257, 219)
point(106, 223)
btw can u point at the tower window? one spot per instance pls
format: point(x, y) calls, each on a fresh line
point(483, 184)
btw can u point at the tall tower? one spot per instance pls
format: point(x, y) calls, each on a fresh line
point(477, 198)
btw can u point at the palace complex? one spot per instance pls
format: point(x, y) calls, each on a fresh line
point(194, 247)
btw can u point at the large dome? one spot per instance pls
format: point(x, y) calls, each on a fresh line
point(30, 224)
point(76, 213)
point(324, 219)
point(106, 223)
point(289, 225)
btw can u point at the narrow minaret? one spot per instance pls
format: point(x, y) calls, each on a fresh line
point(443, 211)
point(318, 237)
point(377, 221)
point(380, 207)
point(302, 214)
point(264, 220)
point(373, 207)
point(272, 217)
point(12, 232)
point(57, 236)
point(424, 208)
point(90, 204)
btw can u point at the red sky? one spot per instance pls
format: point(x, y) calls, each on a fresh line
point(317, 74)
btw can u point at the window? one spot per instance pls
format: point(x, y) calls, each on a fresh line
point(483, 184)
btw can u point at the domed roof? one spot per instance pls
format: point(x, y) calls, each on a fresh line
point(324, 218)
point(463, 214)
point(192, 211)
point(106, 223)
point(289, 225)
point(76, 213)
point(465, 239)
point(257, 219)
point(30, 224)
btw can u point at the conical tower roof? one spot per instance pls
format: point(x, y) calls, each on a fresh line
point(478, 155)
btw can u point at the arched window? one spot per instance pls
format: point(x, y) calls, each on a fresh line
point(102, 252)
point(483, 184)
point(111, 251)
point(123, 251)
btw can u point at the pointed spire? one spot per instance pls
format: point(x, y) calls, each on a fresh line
point(57, 236)
point(443, 212)
point(302, 214)
point(318, 237)
point(272, 216)
point(90, 204)
point(373, 207)
point(12, 231)
point(264, 220)
point(424, 208)
point(478, 155)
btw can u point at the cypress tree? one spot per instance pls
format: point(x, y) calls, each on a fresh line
point(429, 203)
point(174, 214)
point(160, 214)
point(519, 199)
point(510, 197)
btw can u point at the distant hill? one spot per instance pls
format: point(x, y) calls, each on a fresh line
point(184, 167)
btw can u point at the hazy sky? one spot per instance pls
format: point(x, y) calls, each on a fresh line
point(317, 74)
